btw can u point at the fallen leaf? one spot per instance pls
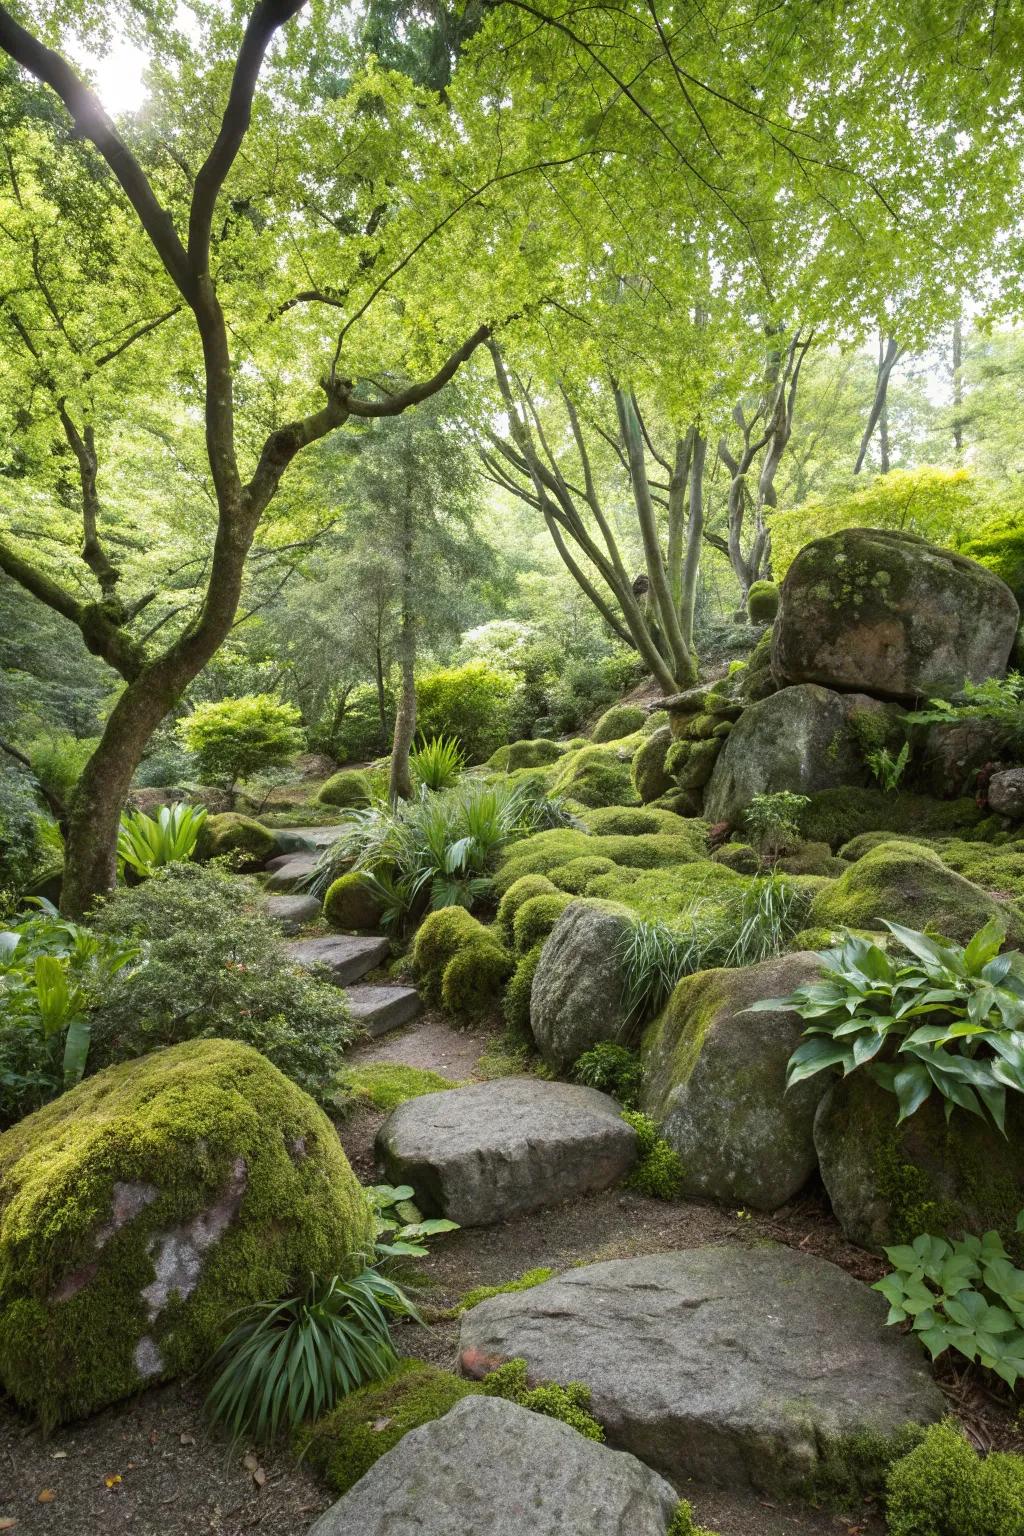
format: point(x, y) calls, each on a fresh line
point(112, 1482)
point(7, 1523)
point(154, 1436)
point(259, 1477)
point(46, 1496)
point(58, 1455)
point(250, 1462)
point(186, 1438)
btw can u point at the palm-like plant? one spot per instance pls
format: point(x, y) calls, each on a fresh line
point(437, 763)
point(286, 1361)
point(144, 843)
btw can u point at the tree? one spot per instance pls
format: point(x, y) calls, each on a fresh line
point(235, 738)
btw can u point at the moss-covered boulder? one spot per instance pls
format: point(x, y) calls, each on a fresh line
point(474, 979)
point(691, 763)
point(578, 994)
point(619, 721)
point(141, 1209)
point(351, 903)
point(836, 816)
point(801, 739)
point(538, 753)
point(520, 891)
point(577, 874)
point(650, 778)
point(536, 918)
point(715, 1083)
point(762, 602)
point(892, 615)
point(595, 776)
point(908, 883)
point(251, 843)
point(351, 787)
point(640, 821)
point(888, 1183)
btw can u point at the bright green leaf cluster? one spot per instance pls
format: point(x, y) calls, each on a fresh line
point(144, 842)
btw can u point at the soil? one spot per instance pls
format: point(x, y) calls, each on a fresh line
point(151, 1467)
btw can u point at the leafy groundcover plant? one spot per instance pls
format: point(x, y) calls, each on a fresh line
point(945, 1019)
point(145, 843)
point(966, 1296)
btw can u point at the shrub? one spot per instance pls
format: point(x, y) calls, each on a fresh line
point(439, 939)
point(360, 733)
point(949, 1018)
point(964, 1296)
point(659, 1170)
point(536, 918)
point(145, 843)
point(569, 1404)
point(943, 1488)
point(621, 720)
point(773, 821)
point(612, 1068)
point(345, 789)
point(471, 703)
point(474, 979)
point(351, 902)
point(437, 763)
point(234, 738)
point(210, 927)
point(21, 845)
point(763, 602)
point(247, 842)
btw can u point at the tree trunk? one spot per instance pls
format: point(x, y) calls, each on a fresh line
point(400, 785)
point(889, 354)
point(958, 390)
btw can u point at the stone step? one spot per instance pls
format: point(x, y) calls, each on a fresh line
point(345, 956)
point(380, 1008)
point(493, 1150)
point(299, 839)
point(291, 913)
point(287, 871)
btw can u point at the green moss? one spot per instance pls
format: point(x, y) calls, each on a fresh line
point(944, 1488)
point(908, 883)
point(683, 1522)
point(619, 721)
point(762, 602)
point(650, 778)
point(853, 1469)
point(536, 918)
point(480, 1293)
point(698, 727)
point(519, 892)
point(836, 816)
point(595, 776)
point(568, 1404)
point(439, 939)
point(516, 1002)
point(659, 1172)
point(539, 753)
point(578, 873)
point(205, 1126)
point(657, 720)
point(343, 1446)
point(249, 841)
point(348, 788)
point(386, 1084)
point(627, 821)
point(351, 903)
point(668, 893)
point(691, 763)
point(545, 852)
point(475, 978)
point(541, 853)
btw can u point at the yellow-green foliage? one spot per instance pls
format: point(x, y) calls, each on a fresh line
point(908, 883)
point(682, 1523)
point(525, 754)
point(635, 821)
point(619, 721)
point(545, 852)
point(536, 918)
point(835, 816)
point(664, 894)
point(351, 787)
point(595, 776)
point(519, 892)
point(386, 1084)
point(569, 1404)
point(659, 1170)
point(351, 903)
point(578, 873)
point(944, 1488)
point(475, 978)
point(1000, 546)
point(762, 602)
point(180, 1132)
point(231, 833)
point(480, 1293)
point(343, 1445)
point(516, 1003)
point(438, 940)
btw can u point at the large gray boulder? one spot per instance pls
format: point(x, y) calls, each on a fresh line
point(491, 1468)
point(577, 998)
point(715, 1081)
point(802, 739)
point(1006, 793)
point(888, 1183)
point(493, 1150)
point(729, 1365)
point(892, 615)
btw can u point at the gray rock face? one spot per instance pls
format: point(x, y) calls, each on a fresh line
point(1006, 793)
point(378, 1009)
point(291, 913)
point(893, 615)
point(799, 739)
point(287, 872)
point(480, 1154)
point(715, 1081)
point(728, 1365)
point(577, 994)
point(491, 1468)
point(344, 957)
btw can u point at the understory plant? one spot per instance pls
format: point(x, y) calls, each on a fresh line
point(773, 822)
point(612, 1068)
point(659, 1169)
point(400, 1227)
point(54, 975)
point(966, 1296)
point(437, 763)
point(944, 1488)
point(946, 1019)
point(286, 1361)
point(998, 700)
point(569, 1404)
point(145, 843)
point(887, 769)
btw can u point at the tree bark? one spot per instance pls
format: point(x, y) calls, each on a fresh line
point(958, 390)
point(889, 354)
point(400, 784)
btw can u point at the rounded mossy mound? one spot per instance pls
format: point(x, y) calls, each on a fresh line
point(538, 753)
point(650, 777)
point(519, 892)
point(909, 884)
point(351, 903)
point(619, 721)
point(536, 918)
point(251, 843)
point(837, 816)
point(459, 962)
point(577, 874)
point(438, 940)
point(638, 821)
point(351, 787)
point(763, 602)
point(143, 1208)
point(595, 776)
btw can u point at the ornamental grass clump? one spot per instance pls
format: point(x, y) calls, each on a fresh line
point(938, 1017)
point(145, 843)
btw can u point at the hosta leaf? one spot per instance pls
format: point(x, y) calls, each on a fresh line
point(912, 1085)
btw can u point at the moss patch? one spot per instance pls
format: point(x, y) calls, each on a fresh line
point(944, 1488)
point(526, 754)
point(619, 721)
point(595, 776)
point(348, 788)
point(230, 833)
point(480, 1293)
point(536, 918)
point(351, 903)
point(835, 816)
point(518, 892)
point(386, 1084)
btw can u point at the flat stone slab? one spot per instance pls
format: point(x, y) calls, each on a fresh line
point(287, 872)
point(378, 1009)
point(291, 839)
point(491, 1468)
point(291, 913)
point(728, 1365)
point(345, 956)
point(493, 1150)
